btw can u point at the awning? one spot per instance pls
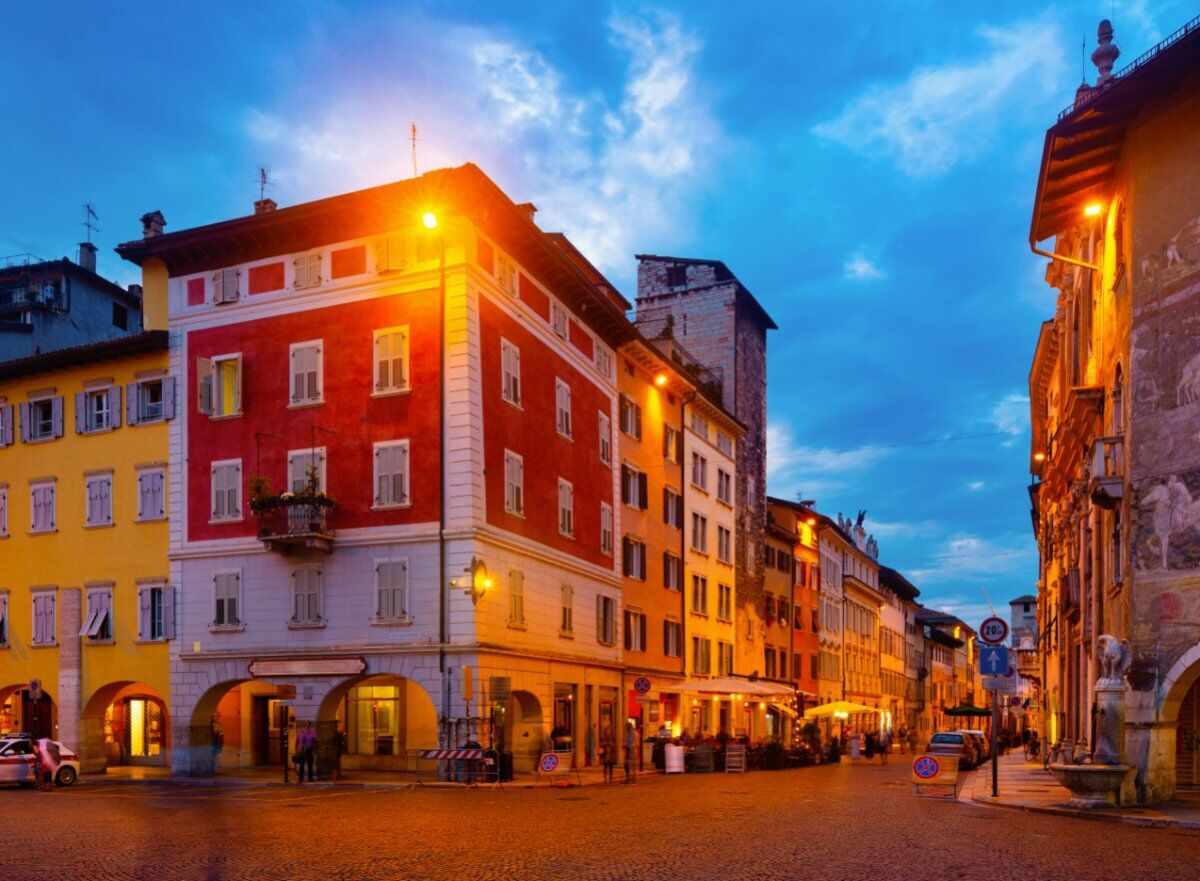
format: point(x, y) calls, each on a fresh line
point(966, 710)
point(727, 685)
point(835, 708)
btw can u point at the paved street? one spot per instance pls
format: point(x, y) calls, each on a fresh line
point(830, 822)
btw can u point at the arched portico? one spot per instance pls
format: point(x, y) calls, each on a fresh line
point(1175, 759)
point(19, 712)
point(379, 718)
point(123, 723)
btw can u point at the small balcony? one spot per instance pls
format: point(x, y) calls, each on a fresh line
point(1106, 485)
point(288, 524)
point(1069, 593)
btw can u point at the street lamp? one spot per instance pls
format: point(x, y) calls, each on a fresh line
point(477, 582)
point(430, 220)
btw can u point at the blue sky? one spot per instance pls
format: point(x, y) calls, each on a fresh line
point(865, 168)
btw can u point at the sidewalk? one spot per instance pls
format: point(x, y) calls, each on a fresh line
point(268, 776)
point(1027, 786)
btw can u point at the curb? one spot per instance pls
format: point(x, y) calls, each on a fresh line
point(446, 786)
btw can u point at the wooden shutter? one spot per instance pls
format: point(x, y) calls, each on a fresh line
point(114, 406)
point(80, 412)
point(666, 637)
point(168, 397)
point(218, 287)
point(641, 619)
point(25, 416)
point(6, 425)
point(668, 505)
point(637, 418)
point(56, 414)
point(205, 383)
point(397, 345)
point(145, 612)
point(296, 357)
point(643, 491)
point(131, 402)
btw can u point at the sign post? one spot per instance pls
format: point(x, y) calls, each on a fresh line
point(993, 662)
point(930, 770)
point(995, 758)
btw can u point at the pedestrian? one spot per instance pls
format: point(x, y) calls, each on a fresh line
point(855, 746)
point(870, 750)
point(631, 743)
point(608, 757)
point(912, 740)
point(885, 742)
point(46, 762)
point(306, 748)
point(901, 736)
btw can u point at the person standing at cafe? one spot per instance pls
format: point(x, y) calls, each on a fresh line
point(631, 745)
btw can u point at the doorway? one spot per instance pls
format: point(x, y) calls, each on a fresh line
point(145, 731)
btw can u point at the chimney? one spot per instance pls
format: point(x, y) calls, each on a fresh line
point(87, 256)
point(528, 209)
point(135, 290)
point(264, 206)
point(152, 224)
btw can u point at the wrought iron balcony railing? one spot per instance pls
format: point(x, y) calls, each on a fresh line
point(292, 523)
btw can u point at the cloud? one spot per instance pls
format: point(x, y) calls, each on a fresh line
point(966, 556)
point(859, 268)
point(945, 114)
point(1010, 415)
point(794, 467)
point(616, 172)
point(976, 485)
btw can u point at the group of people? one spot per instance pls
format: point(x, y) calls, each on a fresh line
point(610, 752)
point(867, 746)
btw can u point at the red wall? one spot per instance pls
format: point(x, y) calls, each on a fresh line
point(358, 419)
point(531, 433)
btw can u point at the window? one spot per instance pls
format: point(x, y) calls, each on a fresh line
point(633, 558)
point(227, 490)
point(45, 624)
point(516, 598)
point(677, 276)
point(724, 545)
point(150, 400)
point(120, 316)
point(390, 347)
point(510, 373)
point(672, 508)
point(751, 492)
point(602, 358)
point(99, 500)
point(306, 471)
point(391, 474)
point(631, 418)
point(41, 419)
point(219, 381)
point(97, 410)
point(634, 491)
point(566, 508)
point(701, 654)
point(226, 599)
point(306, 373)
point(225, 285)
point(672, 571)
point(606, 620)
point(156, 612)
point(42, 507)
point(514, 483)
point(559, 320)
point(769, 608)
point(562, 398)
point(3, 511)
point(672, 636)
point(699, 594)
point(635, 631)
point(769, 659)
point(306, 596)
point(724, 659)
point(724, 486)
point(566, 624)
point(724, 602)
point(97, 627)
point(307, 271)
point(725, 443)
point(6, 425)
point(672, 444)
point(3, 618)
point(816, 620)
point(699, 533)
point(606, 528)
point(699, 472)
point(605, 439)
point(769, 556)
point(391, 591)
point(506, 273)
point(700, 425)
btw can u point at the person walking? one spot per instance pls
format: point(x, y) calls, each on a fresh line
point(631, 744)
point(855, 746)
point(885, 743)
point(306, 748)
point(608, 757)
point(46, 762)
point(912, 740)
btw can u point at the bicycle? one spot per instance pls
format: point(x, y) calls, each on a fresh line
point(1055, 755)
point(1033, 751)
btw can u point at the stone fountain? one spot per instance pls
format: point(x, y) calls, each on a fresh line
point(1097, 784)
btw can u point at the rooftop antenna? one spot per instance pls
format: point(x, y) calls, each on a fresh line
point(263, 183)
point(413, 138)
point(1082, 63)
point(89, 215)
point(986, 600)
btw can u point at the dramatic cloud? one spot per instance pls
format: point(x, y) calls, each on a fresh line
point(971, 558)
point(794, 468)
point(941, 115)
point(1011, 416)
point(859, 268)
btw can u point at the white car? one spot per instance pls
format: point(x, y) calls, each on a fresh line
point(16, 761)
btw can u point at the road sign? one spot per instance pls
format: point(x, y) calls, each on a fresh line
point(993, 630)
point(1000, 683)
point(549, 763)
point(935, 771)
point(35, 689)
point(641, 685)
point(993, 660)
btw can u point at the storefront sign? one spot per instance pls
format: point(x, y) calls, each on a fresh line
point(307, 667)
point(285, 692)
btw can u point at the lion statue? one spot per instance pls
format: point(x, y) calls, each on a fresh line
point(1114, 657)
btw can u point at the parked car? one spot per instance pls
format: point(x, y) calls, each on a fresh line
point(954, 743)
point(16, 761)
point(982, 742)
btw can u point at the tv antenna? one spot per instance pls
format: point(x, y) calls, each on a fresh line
point(263, 182)
point(90, 215)
point(413, 138)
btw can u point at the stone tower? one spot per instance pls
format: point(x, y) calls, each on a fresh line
point(711, 315)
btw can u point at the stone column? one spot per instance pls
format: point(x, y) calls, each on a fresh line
point(70, 666)
point(1110, 721)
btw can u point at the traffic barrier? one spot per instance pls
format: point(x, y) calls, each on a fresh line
point(468, 766)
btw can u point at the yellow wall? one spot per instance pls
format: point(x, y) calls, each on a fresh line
point(73, 556)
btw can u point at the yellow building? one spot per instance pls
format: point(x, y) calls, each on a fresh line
point(86, 610)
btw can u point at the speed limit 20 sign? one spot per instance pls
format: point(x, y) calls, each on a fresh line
point(993, 630)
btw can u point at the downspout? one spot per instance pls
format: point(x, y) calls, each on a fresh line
point(443, 587)
point(1062, 258)
point(684, 400)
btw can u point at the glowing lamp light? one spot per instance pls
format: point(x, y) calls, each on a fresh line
point(1093, 210)
point(1039, 457)
point(660, 380)
point(429, 219)
point(811, 521)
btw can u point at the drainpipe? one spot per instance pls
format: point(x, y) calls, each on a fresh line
point(1062, 258)
point(443, 587)
point(684, 400)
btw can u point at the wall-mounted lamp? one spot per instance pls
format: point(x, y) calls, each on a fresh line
point(477, 581)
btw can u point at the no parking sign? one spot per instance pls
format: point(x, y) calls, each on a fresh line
point(935, 771)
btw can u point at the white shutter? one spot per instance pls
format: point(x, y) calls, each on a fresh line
point(218, 492)
point(383, 371)
point(205, 384)
point(296, 357)
point(145, 611)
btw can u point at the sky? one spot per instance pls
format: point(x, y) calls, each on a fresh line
point(866, 169)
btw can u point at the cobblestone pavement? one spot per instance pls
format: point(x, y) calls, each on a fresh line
point(830, 822)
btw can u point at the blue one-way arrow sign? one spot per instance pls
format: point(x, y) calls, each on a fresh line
point(993, 660)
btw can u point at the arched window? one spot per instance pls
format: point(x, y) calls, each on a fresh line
point(1116, 417)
